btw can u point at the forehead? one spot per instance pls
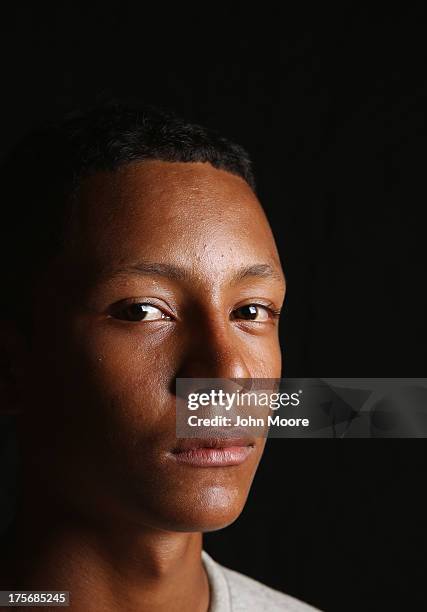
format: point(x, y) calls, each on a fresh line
point(181, 213)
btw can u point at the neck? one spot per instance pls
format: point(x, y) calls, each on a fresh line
point(112, 568)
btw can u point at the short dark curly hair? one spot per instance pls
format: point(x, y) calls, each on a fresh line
point(41, 174)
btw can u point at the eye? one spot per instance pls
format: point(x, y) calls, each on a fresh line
point(140, 311)
point(255, 312)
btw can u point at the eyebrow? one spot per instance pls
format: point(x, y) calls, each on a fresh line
point(261, 270)
point(257, 270)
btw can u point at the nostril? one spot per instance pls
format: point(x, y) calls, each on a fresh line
point(211, 386)
point(245, 384)
point(208, 390)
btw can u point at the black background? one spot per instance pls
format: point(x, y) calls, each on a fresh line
point(330, 104)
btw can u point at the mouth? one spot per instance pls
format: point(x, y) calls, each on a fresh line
point(213, 452)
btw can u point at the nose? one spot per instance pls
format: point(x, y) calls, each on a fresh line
point(211, 357)
point(214, 351)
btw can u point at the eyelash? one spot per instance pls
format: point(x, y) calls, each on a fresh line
point(274, 312)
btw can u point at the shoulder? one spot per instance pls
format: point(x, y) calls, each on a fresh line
point(246, 594)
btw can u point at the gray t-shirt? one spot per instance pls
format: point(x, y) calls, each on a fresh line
point(235, 592)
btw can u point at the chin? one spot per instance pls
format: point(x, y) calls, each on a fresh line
point(206, 511)
point(203, 523)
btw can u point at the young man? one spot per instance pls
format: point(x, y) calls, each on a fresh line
point(135, 252)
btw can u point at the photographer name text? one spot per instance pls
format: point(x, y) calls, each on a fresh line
point(248, 421)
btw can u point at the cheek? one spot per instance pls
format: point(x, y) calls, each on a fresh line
point(98, 375)
point(264, 357)
point(129, 368)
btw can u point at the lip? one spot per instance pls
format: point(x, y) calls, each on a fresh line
point(213, 452)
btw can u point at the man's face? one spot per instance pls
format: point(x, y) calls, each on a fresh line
point(100, 411)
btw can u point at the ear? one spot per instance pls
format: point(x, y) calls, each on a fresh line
point(13, 358)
